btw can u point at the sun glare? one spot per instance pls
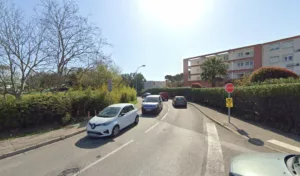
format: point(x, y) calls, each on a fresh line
point(175, 13)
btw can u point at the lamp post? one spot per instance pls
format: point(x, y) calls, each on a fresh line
point(136, 77)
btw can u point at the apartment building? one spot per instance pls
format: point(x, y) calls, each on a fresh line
point(243, 61)
point(154, 84)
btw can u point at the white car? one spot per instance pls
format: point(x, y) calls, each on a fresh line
point(273, 164)
point(112, 119)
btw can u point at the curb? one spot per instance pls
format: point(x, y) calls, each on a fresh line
point(40, 145)
point(222, 125)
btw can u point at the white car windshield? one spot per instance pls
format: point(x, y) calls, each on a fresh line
point(152, 99)
point(109, 112)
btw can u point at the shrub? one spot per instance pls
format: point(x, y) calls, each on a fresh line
point(276, 105)
point(37, 109)
point(196, 85)
point(275, 81)
point(242, 81)
point(265, 73)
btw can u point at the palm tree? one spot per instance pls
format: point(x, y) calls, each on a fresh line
point(212, 69)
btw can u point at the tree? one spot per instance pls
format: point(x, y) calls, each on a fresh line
point(138, 81)
point(4, 80)
point(100, 76)
point(21, 46)
point(174, 81)
point(130, 80)
point(213, 69)
point(70, 37)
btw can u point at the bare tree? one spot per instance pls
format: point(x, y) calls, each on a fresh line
point(70, 37)
point(4, 80)
point(21, 46)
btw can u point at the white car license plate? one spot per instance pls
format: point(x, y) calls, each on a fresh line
point(148, 109)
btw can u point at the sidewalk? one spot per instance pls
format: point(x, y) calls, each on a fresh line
point(22, 144)
point(256, 134)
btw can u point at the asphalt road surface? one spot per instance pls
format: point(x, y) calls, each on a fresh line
point(177, 142)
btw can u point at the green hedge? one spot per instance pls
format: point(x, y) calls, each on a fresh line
point(34, 110)
point(277, 105)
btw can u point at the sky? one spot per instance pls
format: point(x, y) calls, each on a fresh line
point(161, 33)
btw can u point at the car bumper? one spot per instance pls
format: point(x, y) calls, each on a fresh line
point(180, 104)
point(150, 110)
point(98, 131)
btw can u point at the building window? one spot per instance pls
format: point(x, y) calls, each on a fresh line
point(251, 63)
point(198, 77)
point(240, 64)
point(288, 58)
point(247, 63)
point(240, 54)
point(274, 47)
point(153, 83)
point(288, 44)
point(274, 59)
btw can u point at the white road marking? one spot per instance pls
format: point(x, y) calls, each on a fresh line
point(151, 127)
point(214, 162)
point(165, 115)
point(284, 145)
point(101, 159)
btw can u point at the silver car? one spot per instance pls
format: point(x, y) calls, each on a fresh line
point(265, 165)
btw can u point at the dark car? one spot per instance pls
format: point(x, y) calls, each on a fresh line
point(145, 94)
point(164, 96)
point(152, 104)
point(179, 101)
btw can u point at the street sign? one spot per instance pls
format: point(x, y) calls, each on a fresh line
point(109, 85)
point(229, 88)
point(229, 103)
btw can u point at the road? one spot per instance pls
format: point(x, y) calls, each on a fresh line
point(177, 142)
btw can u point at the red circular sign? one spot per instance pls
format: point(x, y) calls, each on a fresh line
point(229, 87)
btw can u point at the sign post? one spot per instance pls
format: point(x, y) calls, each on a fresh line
point(229, 88)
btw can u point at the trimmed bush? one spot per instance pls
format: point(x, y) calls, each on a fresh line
point(35, 110)
point(196, 85)
point(265, 73)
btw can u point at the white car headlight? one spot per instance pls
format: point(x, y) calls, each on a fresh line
point(106, 123)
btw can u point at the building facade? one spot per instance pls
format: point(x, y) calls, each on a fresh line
point(154, 84)
point(243, 61)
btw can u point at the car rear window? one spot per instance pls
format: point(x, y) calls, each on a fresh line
point(180, 98)
point(152, 99)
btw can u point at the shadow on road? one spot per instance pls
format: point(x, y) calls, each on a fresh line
point(179, 107)
point(94, 142)
point(253, 141)
point(149, 115)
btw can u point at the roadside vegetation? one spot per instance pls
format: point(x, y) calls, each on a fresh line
point(271, 98)
point(53, 70)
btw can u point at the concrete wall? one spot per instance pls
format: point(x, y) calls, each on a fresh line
point(154, 84)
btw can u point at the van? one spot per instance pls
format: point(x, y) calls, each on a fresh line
point(164, 96)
